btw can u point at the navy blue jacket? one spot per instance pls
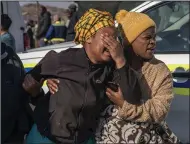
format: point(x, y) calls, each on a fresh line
point(56, 32)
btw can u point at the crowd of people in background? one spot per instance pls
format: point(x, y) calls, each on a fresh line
point(51, 29)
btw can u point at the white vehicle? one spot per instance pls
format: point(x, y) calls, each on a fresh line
point(172, 19)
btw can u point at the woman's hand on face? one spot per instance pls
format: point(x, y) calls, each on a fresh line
point(52, 85)
point(115, 97)
point(115, 49)
point(31, 86)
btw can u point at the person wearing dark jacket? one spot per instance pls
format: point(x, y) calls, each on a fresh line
point(16, 114)
point(73, 18)
point(43, 26)
point(30, 33)
point(71, 114)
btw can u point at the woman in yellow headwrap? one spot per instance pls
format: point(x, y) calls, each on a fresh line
point(143, 121)
point(83, 73)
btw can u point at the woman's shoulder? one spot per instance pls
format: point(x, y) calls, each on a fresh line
point(156, 68)
point(156, 73)
point(159, 65)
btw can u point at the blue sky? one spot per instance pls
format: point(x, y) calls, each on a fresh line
point(63, 4)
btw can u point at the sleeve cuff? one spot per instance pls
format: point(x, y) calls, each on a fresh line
point(123, 69)
point(119, 73)
point(129, 112)
point(122, 111)
point(34, 100)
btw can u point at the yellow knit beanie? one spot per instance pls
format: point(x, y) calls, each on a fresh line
point(133, 23)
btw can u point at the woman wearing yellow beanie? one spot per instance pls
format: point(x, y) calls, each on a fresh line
point(143, 121)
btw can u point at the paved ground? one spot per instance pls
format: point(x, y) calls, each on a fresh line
point(178, 118)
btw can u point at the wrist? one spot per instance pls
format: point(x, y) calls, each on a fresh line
point(121, 103)
point(120, 62)
point(37, 93)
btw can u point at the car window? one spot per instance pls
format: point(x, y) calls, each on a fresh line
point(172, 20)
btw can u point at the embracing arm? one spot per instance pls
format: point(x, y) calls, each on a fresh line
point(156, 108)
point(47, 67)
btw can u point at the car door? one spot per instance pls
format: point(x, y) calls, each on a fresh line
point(172, 19)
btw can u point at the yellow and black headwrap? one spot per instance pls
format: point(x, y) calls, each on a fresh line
point(90, 23)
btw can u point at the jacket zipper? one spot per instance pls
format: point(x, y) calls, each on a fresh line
point(82, 107)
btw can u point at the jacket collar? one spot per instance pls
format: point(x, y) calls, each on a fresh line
point(85, 61)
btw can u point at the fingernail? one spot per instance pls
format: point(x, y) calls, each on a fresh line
point(58, 81)
point(56, 90)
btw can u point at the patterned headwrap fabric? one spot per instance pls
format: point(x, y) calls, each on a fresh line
point(90, 23)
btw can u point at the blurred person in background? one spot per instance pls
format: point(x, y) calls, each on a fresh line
point(34, 29)
point(43, 26)
point(73, 18)
point(6, 36)
point(30, 33)
point(56, 32)
point(68, 15)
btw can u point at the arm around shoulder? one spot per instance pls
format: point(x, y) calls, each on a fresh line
point(157, 107)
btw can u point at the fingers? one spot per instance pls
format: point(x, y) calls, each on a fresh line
point(28, 81)
point(52, 85)
point(108, 42)
point(111, 92)
point(53, 82)
point(52, 89)
point(24, 85)
point(106, 45)
point(110, 96)
point(115, 97)
point(31, 80)
point(119, 91)
point(109, 39)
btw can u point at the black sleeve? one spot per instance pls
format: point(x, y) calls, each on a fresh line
point(25, 97)
point(44, 28)
point(30, 33)
point(34, 100)
point(128, 82)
